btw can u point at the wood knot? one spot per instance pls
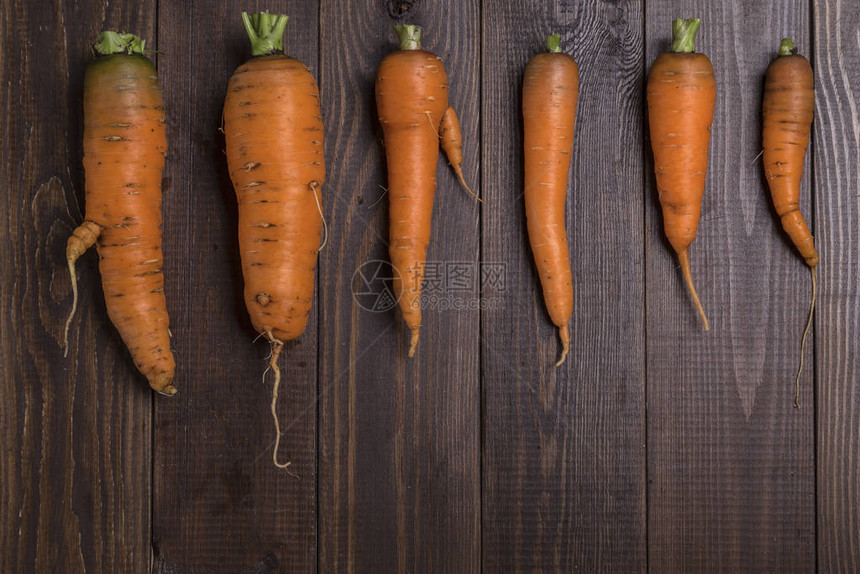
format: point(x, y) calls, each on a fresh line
point(399, 8)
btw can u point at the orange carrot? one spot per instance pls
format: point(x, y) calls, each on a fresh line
point(124, 147)
point(274, 135)
point(681, 95)
point(452, 145)
point(412, 100)
point(787, 110)
point(550, 93)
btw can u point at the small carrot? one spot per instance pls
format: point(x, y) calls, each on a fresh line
point(550, 93)
point(787, 108)
point(412, 101)
point(452, 145)
point(681, 95)
point(124, 148)
point(274, 134)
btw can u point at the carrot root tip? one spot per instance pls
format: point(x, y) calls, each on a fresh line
point(168, 391)
point(564, 334)
point(684, 258)
point(459, 171)
point(803, 342)
point(413, 343)
point(277, 346)
point(73, 276)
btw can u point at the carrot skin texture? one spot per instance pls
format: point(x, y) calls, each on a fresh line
point(787, 110)
point(681, 94)
point(124, 150)
point(411, 98)
point(681, 99)
point(452, 139)
point(550, 94)
point(274, 136)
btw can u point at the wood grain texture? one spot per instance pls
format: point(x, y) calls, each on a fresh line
point(219, 504)
point(563, 448)
point(730, 461)
point(75, 467)
point(399, 446)
point(655, 447)
point(836, 136)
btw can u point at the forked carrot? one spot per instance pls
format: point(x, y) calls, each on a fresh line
point(787, 108)
point(124, 148)
point(412, 101)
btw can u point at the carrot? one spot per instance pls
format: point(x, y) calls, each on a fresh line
point(550, 93)
point(787, 110)
point(124, 147)
point(681, 94)
point(412, 101)
point(452, 145)
point(274, 135)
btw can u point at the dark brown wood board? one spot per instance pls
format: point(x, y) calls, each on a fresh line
point(730, 461)
point(399, 445)
point(837, 235)
point(75, 467)
point(563, 448)
point(219, 504)
point(655, 447)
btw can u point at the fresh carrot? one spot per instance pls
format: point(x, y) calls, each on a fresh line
point(681, 96)
point(124, 147)
point(274, 135)
point(452, 145)
point(412, 101)
point(787, 110)
point(550, 93)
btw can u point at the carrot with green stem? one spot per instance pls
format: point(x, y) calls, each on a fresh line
point(787, 108)
point(550, 93)
point(124, 148)
point(412, 101)
point(274, 135)
point(681, 94)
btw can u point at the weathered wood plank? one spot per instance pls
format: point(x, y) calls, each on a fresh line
point(399, 457)
point(564, 457)
point(219, 504)
point(75, 468)
point(836, 130)
point(731, 484)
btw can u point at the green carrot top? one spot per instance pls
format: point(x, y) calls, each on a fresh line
point(684, 35)
point(115, 43)
point(409, 36)
point(266, 32)
point(787, 47)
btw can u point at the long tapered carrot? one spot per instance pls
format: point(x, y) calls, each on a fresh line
point(787, 108)
point(681, 95)
point(412, 101)
point(550, 93)
point(274, 135)
point(124, 148)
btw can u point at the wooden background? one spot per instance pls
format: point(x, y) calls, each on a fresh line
point(655, 447)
